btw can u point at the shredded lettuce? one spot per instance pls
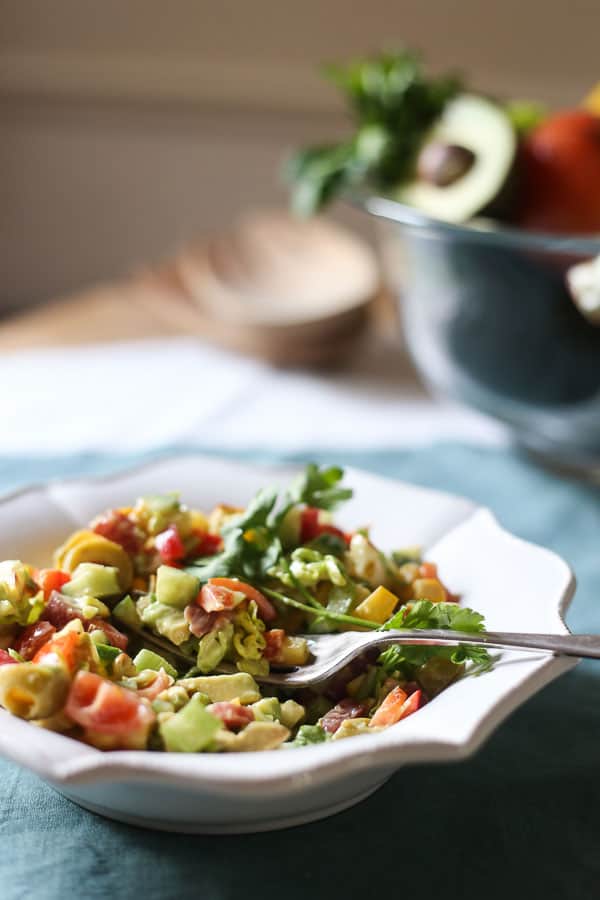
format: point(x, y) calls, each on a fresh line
point(213, 648)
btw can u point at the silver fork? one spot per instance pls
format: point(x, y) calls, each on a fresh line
point(331, 652)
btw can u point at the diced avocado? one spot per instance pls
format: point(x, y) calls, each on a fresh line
point(255, 736)
point(167, 621)
point(310, 734)
point(148, 659)
point(352, 727)
point(317, 708)
point(107, 653)
point(291, 713)
point(176, 588)
point(240, 686)
point(268, 709)
point(256, 667)
point(90, 607)
point(436, 674)
point(126, 612)
point(190, 730)
point(93, 580)
point(158, 510)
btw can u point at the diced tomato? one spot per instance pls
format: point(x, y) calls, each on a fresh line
point(117, 527)
point(389, 711)
point(345, 709)
point(311, 527)
point(233, 715)
point(274, 638)
point(115, 637)
point(428, 570)
point(64, 649)
point(208, 544)
point(33, 638)
point(214, 598)
point(396, 706)
point(265, 607)
point(412, 704)
point(309, 524)
point(6, 659)
point(51, 580)
point(100, 706)
point(170, 546)
point(160, 683)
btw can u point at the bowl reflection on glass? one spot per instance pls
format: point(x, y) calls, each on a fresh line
point(489, 322)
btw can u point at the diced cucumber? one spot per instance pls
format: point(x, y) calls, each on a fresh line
point(190, 730)
point(93, 580)
point(107, 653)
point(174, 587)
point(126, 612)
point(148, 659)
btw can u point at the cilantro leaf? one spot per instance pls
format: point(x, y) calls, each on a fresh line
point(405, 658)
point(251, 542)
point(318, 487)
point(425, 614)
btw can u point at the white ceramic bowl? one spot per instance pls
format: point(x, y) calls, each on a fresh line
point(515, 584)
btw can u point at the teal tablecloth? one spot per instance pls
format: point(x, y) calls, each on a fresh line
point(520, 819)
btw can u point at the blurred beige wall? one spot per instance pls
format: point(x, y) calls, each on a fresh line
point(130, 125)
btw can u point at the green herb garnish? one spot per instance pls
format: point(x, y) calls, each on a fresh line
point(393, 105)
point(252, 543)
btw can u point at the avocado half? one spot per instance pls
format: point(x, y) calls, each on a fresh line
point(465, 163)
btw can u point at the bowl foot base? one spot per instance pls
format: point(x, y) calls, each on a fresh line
point(273, 824)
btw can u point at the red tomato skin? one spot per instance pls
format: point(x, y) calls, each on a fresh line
point(208, 544)
point(266, 609)
point(215, 598)
point(6, 659)
point(274, 638)
point(311, 527)
point(170, 546)
point(51, 580)
point(560, 174)
point(106, 708)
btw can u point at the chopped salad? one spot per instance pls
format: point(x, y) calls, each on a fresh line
point(155, 624)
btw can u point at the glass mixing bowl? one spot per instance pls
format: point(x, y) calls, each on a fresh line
point(489, 321)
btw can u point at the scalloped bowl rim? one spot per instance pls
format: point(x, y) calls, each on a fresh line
point(64, 761)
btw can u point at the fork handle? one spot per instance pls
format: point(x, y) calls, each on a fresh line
point(579, 645)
